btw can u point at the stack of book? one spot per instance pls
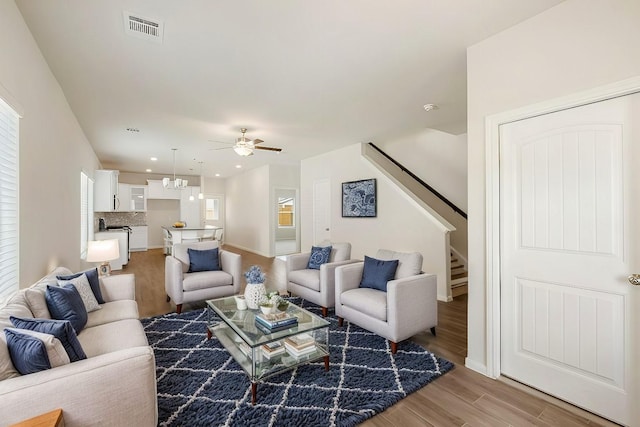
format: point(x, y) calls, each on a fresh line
point(300, 345)
point(272, 349)
point(269, 323)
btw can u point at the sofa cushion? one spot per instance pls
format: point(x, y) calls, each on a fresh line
point(65, 303)
point(319, 255)
point(15, 307)
point(113, 311)
point(81, 283)
point(409, 263)
point(61, 329)
point(376, 273)
point(34, 351)
point(368, 301)
point(109, 337)
point(205, 280)
point(37, 303)
point(307, 278)
point(92, 277)
point(206, 260)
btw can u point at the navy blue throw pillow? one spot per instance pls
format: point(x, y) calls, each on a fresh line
point(60, 329)
point(27, 352)
point(206, 260)
point(377, 273)
point(94, 281)
point(319, 256)
point(65, 303)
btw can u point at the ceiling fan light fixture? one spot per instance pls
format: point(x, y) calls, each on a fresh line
point(243, 150)
point(165, 182)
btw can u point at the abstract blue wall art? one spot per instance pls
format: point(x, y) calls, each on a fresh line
point(359, 198)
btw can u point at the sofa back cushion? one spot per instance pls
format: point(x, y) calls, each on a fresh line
point(409, 263)
point(13, 308)
point(181, 251)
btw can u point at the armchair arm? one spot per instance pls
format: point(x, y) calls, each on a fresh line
point(173, 278)
point(412, 304)
point(328, 279)
point(118, 287)
point(297, 262)
point(232, 264)
point(347, 277)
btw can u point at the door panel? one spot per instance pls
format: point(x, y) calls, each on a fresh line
point(569, 209)
point(321, 211)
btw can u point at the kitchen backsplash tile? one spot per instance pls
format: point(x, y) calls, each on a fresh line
point(121, 218)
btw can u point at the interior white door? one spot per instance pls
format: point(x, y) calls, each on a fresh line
point(321, 210)
point(570, 219)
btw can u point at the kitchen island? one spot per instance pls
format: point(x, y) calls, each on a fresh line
point(191, 234)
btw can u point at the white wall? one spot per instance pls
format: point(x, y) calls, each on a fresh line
point(247, 213)
point(438, 158)
point(53, 151)
point(570, 48)
point(400, 224)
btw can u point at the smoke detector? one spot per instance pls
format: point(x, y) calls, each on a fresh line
point(143, 27)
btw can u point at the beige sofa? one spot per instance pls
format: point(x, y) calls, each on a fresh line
point(114, 386)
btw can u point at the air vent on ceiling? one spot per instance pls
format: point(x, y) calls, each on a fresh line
point(146, 28)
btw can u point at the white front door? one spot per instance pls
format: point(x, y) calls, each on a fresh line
point(570, 218)
point(321, 210)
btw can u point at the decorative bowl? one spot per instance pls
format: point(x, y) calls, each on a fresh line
point(266, 308)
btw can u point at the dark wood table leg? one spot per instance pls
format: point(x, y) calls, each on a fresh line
point(326, 363)
point(208, 333)
point(254, 391)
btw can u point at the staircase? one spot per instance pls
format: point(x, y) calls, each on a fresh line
point(459, 277)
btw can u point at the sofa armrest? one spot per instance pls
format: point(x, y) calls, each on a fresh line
point(173, 278)
point(297, 262)
point(117, 388)
point(118, 287)
point(348, 277)
point(232, 264)
point(413, 301)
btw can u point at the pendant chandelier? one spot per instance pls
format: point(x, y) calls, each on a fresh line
point(177, 182)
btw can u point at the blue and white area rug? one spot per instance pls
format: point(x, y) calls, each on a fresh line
point(199, 384)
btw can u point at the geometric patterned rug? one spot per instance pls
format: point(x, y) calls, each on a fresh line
point(199, 383)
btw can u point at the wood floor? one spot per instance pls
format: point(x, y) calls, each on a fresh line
point(461, 397)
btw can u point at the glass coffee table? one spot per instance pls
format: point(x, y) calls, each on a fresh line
point(263, 354)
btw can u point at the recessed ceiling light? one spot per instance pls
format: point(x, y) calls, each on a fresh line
point(136, 130)
point(238, 166)
point(217, 174)
point(430, 107)
point(149, 170)
point(154, 159)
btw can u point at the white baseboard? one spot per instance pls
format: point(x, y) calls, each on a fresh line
point(248, 250)
point(476, 366)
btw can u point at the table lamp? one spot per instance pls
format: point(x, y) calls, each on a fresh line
point(103, 251)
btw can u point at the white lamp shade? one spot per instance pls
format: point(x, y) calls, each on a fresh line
point(103, 250)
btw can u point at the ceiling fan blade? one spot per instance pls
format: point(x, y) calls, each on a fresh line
point(268, 148)
point(221, 142)
point(258, 141)
point(216, 149)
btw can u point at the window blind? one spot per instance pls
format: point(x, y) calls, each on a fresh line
point(9, 202)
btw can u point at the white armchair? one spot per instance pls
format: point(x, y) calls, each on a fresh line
point(408, 306)
point(317, 286)
point(185, 287)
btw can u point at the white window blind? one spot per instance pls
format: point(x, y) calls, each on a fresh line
point(86, 213)
point(9, 227)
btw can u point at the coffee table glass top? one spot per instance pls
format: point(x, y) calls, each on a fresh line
point(243, 321)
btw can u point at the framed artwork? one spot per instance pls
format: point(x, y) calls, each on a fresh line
point(359, 199)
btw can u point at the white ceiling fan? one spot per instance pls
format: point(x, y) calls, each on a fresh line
point(245, 146)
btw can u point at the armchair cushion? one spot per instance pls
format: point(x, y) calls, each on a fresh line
point(205, 280)
point(308, 278)
point(409, 264)
point(206, 260)
point(377, 273)
point(368, 301)
point(319, 255)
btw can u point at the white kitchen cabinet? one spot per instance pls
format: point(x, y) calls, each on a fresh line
point(124, 194)
point(190, 209)
point(105, 191)
point(139, 238)
point(137, 198)
point(157, 191)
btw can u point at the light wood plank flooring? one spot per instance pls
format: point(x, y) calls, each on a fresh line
point(462, 397)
